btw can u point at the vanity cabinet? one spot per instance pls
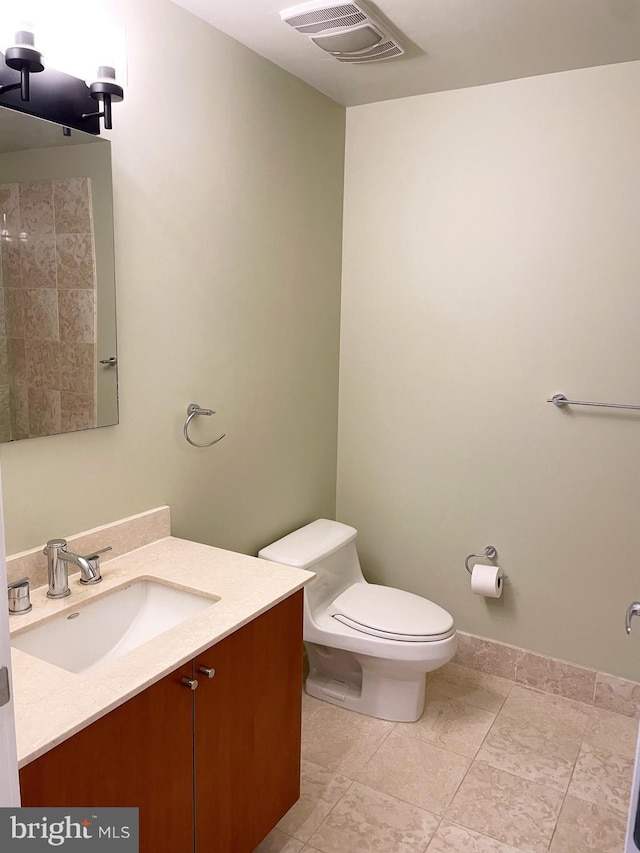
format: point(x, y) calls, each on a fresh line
point(211, 769)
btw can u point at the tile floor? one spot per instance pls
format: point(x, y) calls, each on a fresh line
point(491, 767)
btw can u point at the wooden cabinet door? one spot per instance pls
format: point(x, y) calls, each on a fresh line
point(247, 731)
point(140, 754)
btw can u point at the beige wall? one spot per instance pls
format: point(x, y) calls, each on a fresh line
point(491, 259)
point(228, 201)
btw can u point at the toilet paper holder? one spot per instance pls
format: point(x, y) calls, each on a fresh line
point(490, 553)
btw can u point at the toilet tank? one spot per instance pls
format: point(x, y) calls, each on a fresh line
point(324, 547)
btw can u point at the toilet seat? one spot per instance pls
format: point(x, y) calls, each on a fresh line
point(391, 614)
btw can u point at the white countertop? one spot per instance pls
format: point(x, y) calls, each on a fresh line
point(52, 704)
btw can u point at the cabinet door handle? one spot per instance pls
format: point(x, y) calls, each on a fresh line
point(191, 683)
point(207, 670)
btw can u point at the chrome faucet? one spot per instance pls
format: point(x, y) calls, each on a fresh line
point(58, 559)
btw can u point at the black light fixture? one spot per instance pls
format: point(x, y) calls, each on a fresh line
point(23, 57)
point(106, 91)
point(59, 97)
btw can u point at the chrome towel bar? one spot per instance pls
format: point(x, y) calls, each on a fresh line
point(560, 400)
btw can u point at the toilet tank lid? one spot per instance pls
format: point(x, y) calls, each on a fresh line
point(310, 544)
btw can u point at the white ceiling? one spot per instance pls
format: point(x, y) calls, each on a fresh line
point(450, 44)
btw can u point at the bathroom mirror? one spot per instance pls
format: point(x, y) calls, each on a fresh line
point(58, 359)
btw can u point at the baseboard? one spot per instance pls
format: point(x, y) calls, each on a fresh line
point(550, 675)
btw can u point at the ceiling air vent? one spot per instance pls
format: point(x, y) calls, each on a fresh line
point(348, 32)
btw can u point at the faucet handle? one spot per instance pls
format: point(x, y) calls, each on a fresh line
point(19, 596)
point(632, 610)
point(94, 561)
point(95, 554)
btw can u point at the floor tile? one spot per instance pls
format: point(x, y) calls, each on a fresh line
point(451, 724)
point(407, 775)
point(279, 842)
point(540, 753)
point(341, 740)
point(415, 771)
point(320, 790)
point(366, 821)
point(612, 732)
point(310, 703)
point(602, 778)
point(524, 703)
point(515, 811)
point(471, 686)
point(451, 838)
point(586, 828)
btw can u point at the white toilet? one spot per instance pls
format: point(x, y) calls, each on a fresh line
point(369, 646)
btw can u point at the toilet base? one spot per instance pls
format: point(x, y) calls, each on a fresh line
point(364, 684)
point(398, 701)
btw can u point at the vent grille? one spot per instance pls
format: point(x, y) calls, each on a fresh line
point(348, 21)
point(324, 15)
point(381, 51)
point(338, 28)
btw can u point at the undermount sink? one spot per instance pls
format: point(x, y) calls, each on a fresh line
point(110, 626)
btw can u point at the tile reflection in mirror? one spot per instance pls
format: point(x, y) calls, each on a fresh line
point(57, 288)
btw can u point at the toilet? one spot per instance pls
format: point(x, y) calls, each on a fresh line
point(369, 646)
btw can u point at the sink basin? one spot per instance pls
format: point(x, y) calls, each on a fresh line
point(110, 626)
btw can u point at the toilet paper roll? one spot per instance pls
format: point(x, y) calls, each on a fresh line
point(487, 581)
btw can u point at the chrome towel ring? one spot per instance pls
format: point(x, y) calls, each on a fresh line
point(194, 411)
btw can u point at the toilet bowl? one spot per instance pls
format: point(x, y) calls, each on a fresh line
point(369, 646)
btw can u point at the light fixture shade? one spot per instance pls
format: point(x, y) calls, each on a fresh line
point(11, 28)
point(23, 37)
point(74, 36)
point(102, 41)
